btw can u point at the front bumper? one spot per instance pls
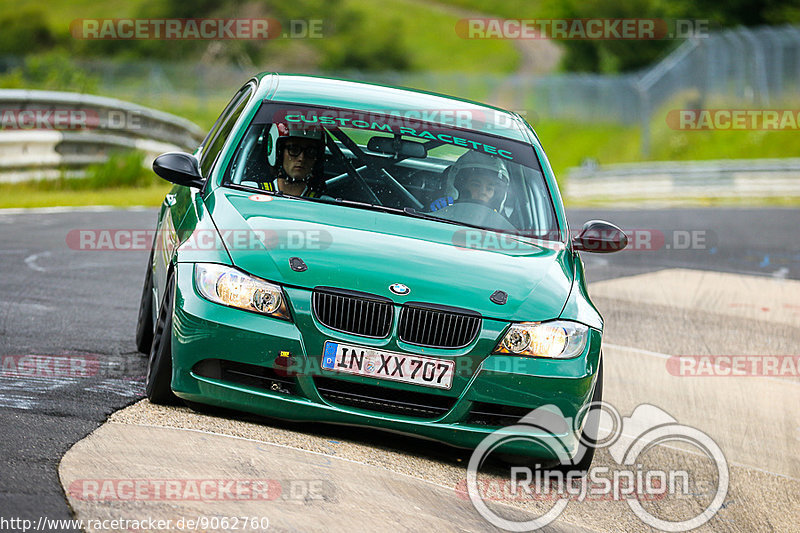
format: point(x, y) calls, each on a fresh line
point(204, 331)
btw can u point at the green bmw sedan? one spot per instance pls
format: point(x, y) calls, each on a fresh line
point(358, 254)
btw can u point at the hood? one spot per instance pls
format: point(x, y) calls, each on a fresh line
point(368, 251)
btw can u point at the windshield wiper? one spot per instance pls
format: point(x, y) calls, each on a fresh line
point(405, 211)
point(366, 205)
point(410, 211)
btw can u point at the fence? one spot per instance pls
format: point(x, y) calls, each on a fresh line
point(746, 67)
point(751, 66)
point(74, 130)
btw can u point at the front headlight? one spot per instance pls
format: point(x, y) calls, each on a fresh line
point(557, 340)
point(228, 286)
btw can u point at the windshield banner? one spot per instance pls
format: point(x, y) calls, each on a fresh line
point(406, 123)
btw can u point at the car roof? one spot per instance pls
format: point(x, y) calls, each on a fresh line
point(371, 97)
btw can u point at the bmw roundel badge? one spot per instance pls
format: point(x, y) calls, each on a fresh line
point(399, 288)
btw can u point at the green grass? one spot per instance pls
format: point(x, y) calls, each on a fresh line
point(513, 9)
point(766, 201)
point(568, 144)
point(690, 145)
point(121, 181)
point(202, 111)
point(27, 195)
point(59, 13)
point(431, 38)
point(427, 29)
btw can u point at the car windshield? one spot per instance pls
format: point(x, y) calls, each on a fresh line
point(397, 164)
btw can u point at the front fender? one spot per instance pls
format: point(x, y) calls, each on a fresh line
point(579, 306)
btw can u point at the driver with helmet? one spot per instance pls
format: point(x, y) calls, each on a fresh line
point(482, 179)
point(295, 156)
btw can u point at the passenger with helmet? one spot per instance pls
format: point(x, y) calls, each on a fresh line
point(295, 156)
point(482, 179)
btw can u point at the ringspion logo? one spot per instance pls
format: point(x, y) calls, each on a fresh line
point(628, 439)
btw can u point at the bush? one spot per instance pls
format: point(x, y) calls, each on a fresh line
point(123, 169)
point(52, 70)
point(353, 48)
point(24, 32)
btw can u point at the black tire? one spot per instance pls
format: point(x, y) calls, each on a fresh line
point(144, 325)
point(159, 366)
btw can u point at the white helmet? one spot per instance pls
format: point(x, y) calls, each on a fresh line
point(490, 168)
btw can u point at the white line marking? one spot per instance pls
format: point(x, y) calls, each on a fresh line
point(637, 350)
point(31, 261)
point(206, 432)
point(29, 307)
point(72, 209)
point(784, 381)
point(781, 273)
point(666, 356)
point(734, 463)
point(742, 465)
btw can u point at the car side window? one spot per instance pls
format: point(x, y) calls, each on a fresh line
point(221, 118)
point(222, 128)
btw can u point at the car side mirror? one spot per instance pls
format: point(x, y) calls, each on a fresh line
point(600, 237)
point(178, 167)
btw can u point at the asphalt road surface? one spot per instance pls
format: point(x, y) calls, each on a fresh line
point(59, 301)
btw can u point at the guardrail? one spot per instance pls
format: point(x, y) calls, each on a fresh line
point(44, 134)
point(729, 178)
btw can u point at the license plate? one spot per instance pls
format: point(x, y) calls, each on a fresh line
point(417, 369)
